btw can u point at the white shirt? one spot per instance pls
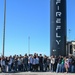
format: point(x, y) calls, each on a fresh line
point(52, 60)
point(34, 61)
point(10, 62)
point(37, 60)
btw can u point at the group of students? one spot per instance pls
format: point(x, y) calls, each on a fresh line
point(37, 63)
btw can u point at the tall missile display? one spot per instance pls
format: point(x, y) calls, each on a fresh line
point(58, 27)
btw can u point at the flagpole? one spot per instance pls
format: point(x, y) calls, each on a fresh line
point(4, 27)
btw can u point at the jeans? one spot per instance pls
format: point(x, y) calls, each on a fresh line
point(28, 66)
point(45, 66)
point(72, 69)
point(25, 67)
point(69, 69)
point(9, 67)
point(15, 68)
point(41, 66)
point(31, 68)
point(62, 67)
point(58, 68)
point(51, 67)
point(3, 68)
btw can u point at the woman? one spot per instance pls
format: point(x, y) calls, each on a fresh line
point(66, 65)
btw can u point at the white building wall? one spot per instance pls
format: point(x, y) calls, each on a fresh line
point(73, 48)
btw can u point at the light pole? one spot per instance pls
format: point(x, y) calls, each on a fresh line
point(4, 26)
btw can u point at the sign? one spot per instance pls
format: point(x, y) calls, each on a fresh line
point(58, 21)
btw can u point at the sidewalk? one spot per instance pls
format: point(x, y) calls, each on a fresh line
point(37, 73)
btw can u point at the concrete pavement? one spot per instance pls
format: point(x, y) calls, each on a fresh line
point(37, 73)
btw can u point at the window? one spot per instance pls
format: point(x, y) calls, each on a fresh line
point(74, 46)
point(70, 49)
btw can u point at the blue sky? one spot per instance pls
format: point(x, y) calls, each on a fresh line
point(30, 18)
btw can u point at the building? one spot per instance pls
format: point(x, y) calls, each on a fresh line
point(58, 27)
point(70, 48)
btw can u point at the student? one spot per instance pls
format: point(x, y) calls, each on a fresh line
point(45, 63)
point(37, 62)
point(0, 64)
point(59, 69)
point(31, 62)
point(52, 63)
point(25, 62)
point(34, 63)
point(3, 64)
point(66, 64)
point(6, 64)
point(41, 62)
